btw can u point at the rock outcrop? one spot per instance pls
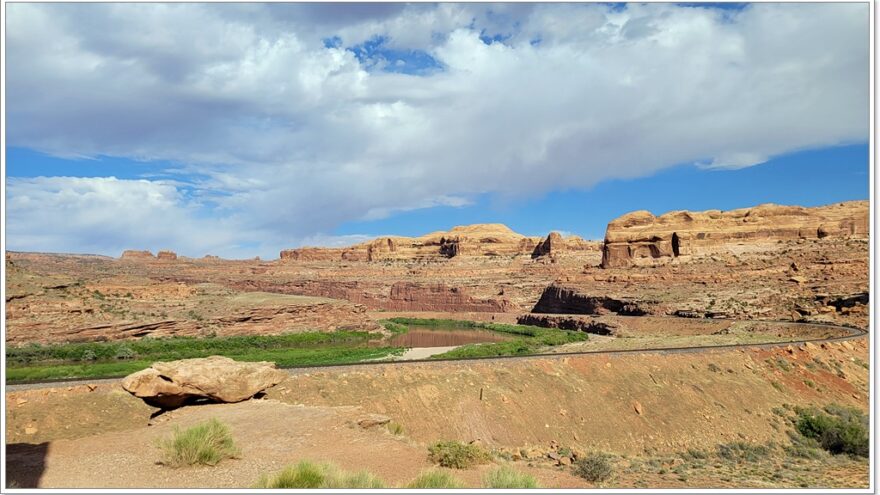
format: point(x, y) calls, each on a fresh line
point(552, 245)
point(400, 296)
point(167, 255)
point(587, 324)
point(480, 240)
point(172, 384)
point(135, 255)
point(639, 236)
point(469, 240)
point(564, 300)
point(407, 296)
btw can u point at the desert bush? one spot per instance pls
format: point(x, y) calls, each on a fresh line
point(125, 353)
point(507, 477)
point(594, 467)
point(307, 474)
point(838, 430)
point(435, 479)
point(457, 455)
point(395, 428)
point(742, 451)
point(395, 328)
point(803, 447)
point(206, 443)
point(694, 454)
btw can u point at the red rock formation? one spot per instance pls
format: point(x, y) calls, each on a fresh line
point(566, 300)
point(167, 255)
point(469, 240)
point(134, 255)
point(401, 296)
point(407, 296)
point(640, 235)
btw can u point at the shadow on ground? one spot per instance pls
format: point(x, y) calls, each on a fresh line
point(25, 463)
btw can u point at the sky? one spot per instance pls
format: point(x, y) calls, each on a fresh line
point(242, 129)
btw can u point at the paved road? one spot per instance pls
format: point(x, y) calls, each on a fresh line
point(851, 334)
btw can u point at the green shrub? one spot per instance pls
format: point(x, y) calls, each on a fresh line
point(803, 447)
point(89, 355)
point(594, 468)
point(507, 477)
point(395, 428)
point(125, 353)
point(694, 454)
point(394, 328)
point(457, 455)
point(307, 474)
point(742, 451)
point(206, 443)
point(838, 430)
point(435, 479)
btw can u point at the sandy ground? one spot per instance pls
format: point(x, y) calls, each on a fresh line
point(270, 434)
point(422, 353)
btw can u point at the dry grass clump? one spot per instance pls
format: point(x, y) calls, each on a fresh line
point(507, 477)
point(435, 479)
point(307, 474)
point(457, 455)
point(206, 443)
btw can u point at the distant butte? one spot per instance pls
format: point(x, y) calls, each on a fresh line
point(492, 239)
point(640, 237)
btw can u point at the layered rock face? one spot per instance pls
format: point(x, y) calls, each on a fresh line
point(167, 255)
point(464, 241)
point(565, 300)
point(555, 244)
point(469, 240)
point(402, 296)
point(134, 255)
point(640, 236)
point(438, 297)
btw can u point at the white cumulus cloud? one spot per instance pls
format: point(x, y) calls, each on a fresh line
point(280, 139)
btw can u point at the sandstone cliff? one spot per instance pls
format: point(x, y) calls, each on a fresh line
point(134, 255)
point(167, 255)
point(555, 244)
point(469, 240)
point(477, 240)
point(640, 236)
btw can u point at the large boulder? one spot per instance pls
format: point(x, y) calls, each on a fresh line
point(216, 378)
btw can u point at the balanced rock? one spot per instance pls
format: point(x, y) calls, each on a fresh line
point(216, 378)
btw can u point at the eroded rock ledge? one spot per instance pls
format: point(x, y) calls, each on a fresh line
point(640, 237)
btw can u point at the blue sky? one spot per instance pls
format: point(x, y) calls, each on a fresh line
point(240, 130)
point(807, 178)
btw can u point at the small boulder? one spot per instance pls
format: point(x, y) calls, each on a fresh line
point(172, 384)
point(372, 420)
point(637, 406)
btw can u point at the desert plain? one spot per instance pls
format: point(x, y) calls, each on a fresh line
point(688, 349)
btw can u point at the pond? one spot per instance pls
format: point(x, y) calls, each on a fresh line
point(445, 336)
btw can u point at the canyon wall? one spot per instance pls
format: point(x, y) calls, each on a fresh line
point(401, 296)
point(467, 241)
point(640, 236)
point(557, 299)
